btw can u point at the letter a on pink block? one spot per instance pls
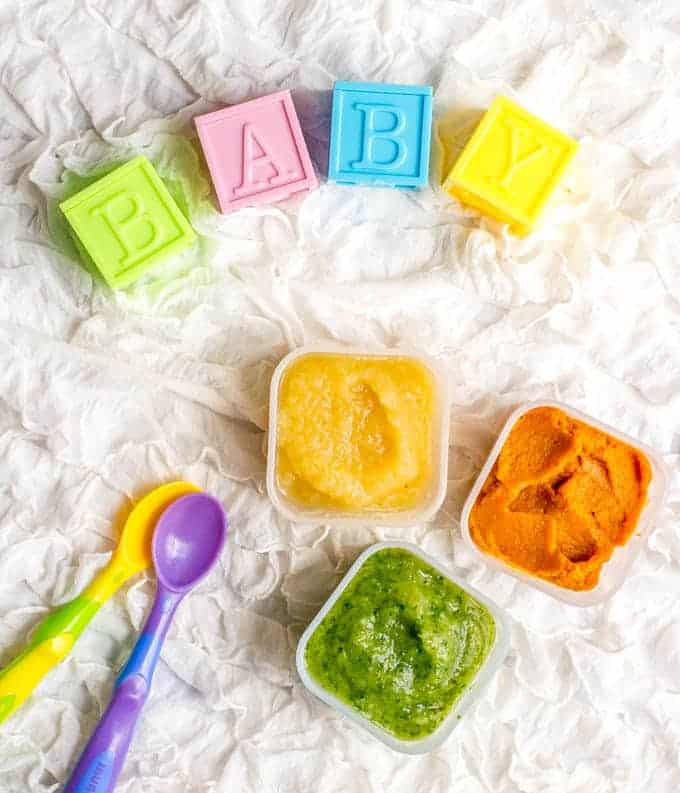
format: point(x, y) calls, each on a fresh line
point(256, 152)
point(258, 158)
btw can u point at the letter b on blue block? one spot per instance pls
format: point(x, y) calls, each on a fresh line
point(380, 134)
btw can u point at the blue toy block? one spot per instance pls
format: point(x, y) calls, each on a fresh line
point(380, 134)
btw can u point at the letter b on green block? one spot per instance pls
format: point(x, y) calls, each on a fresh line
point(127, 222)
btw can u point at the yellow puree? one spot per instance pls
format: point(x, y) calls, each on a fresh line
point(355, 432)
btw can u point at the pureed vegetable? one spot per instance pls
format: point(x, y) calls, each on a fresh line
point(401, 644)
point(561, 496)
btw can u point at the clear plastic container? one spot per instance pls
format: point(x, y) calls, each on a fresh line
point(614, 571)
point(474, 690)
point(440, 447)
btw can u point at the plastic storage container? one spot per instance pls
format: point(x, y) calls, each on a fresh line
point(440, 447)
point(474, 690)
point(616, 569)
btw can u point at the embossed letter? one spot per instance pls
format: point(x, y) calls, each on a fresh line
point(256, 155)
point(126, 228)
point(371, 135)
point(514, 160)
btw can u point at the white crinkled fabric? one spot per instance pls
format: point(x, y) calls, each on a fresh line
point(103, 395)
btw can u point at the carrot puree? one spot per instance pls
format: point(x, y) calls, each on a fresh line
point(560, 497)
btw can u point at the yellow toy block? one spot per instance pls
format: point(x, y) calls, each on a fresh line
point(511, 165)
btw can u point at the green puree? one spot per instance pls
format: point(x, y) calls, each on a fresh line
point(401, 643)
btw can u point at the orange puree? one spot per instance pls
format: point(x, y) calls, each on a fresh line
point(355, 432)
point(560, 497)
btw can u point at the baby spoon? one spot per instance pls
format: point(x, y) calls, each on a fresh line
point(187, 542)
point(54, 637)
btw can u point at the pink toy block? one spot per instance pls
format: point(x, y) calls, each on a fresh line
point(255, 152)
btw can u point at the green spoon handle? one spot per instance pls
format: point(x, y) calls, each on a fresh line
point(53, 639)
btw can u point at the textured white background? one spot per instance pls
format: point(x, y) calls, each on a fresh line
point(103, 395)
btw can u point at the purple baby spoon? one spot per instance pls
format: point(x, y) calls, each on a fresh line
point(187, 542)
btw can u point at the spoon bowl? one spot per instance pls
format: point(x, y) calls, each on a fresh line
point(135, 542)
point(188, 539)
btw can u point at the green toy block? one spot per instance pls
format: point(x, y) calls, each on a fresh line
point(127, 222)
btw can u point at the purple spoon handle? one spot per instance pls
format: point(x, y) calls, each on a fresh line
point(102, 759)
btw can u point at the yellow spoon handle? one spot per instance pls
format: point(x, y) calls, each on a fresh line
point(19, 679)
point(54, 637)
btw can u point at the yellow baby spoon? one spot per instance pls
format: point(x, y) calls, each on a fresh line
point(54, 637)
